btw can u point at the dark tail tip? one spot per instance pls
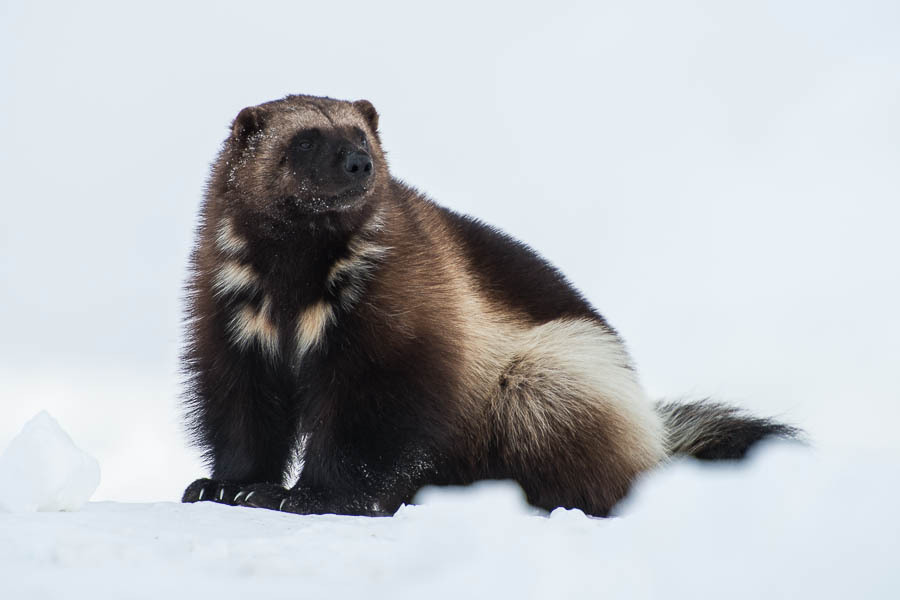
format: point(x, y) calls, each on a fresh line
point(713, 431)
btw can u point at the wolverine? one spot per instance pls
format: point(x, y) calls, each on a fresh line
point(340, 317)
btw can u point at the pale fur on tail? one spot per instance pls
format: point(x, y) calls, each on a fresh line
point(714, 431)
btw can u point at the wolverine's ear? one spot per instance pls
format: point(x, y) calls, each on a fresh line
point(249, 121)
point(368, 111)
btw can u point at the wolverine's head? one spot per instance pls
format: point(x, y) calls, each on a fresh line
point(303, 156)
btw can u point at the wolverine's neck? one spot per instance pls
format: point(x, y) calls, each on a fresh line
point(300, 261)
point(283, 293)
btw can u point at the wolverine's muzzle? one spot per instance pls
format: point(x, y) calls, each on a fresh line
point(358, 165)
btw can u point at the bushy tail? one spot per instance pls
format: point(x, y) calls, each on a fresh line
point(712, 431)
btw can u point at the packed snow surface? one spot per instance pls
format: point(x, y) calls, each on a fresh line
point(43, 470)
point(792, 522)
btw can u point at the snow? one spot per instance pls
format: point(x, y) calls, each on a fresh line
point(792, 522)
point(43, 470)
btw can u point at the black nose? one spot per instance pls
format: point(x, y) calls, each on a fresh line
point(358, 164)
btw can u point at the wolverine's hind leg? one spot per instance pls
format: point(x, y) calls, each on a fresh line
point(573, 424)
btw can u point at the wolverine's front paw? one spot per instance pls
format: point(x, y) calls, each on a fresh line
point(211, 490)
point(257, 495)
point(264, 495)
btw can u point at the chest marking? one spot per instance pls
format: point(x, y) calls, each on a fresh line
point(228, 240)
point(350, 273)
point(311, 324)
point(250, 325)
point(234, 277)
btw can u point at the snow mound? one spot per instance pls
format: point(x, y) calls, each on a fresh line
point(43, 470)
point(790, 522)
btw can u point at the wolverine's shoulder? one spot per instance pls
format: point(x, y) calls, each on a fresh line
point(512, 273)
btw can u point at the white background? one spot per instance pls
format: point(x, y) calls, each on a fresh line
point(721, 179)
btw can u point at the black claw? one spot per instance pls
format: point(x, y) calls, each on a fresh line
point(210, 490)
point(197, 491)
point(263, 495)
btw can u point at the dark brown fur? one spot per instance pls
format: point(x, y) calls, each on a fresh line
point(432, 349)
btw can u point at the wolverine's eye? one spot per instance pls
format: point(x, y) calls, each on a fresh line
point(305, 145)
point(364, 143)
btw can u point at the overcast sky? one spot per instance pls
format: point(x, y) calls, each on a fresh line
point(721, 179)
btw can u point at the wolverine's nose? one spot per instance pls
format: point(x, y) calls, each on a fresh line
point(358, 164)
